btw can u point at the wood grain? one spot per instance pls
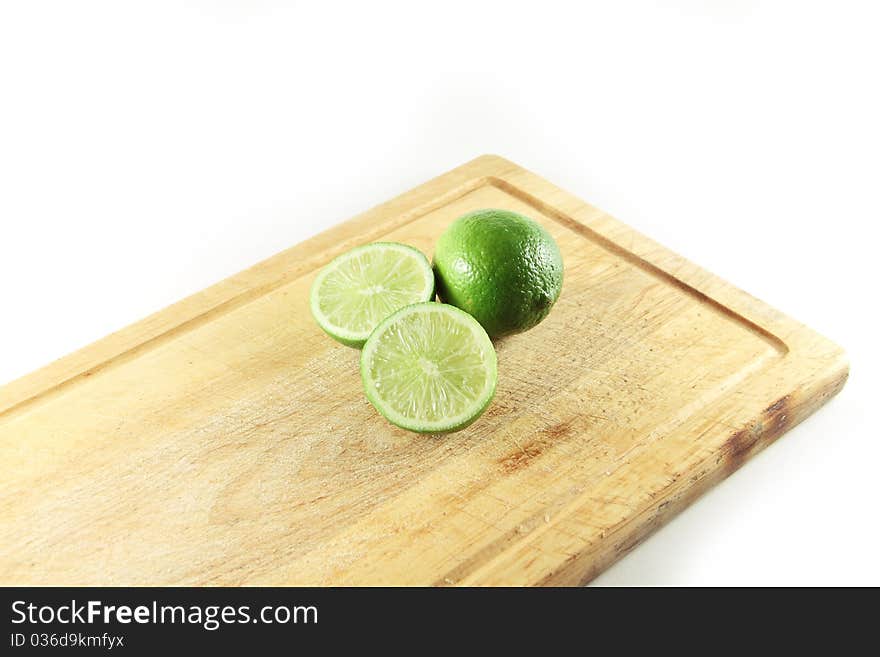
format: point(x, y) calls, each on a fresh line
point(226, 440)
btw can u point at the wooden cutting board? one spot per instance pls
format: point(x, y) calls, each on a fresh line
point(226, 439)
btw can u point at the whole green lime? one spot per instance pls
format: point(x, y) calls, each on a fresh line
point(501, 267)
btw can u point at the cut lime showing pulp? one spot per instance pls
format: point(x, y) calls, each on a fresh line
point(429, 368)
point(360, 288)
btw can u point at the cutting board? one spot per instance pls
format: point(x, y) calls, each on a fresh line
point(226, 439)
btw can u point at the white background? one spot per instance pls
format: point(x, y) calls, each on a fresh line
point(150, 149)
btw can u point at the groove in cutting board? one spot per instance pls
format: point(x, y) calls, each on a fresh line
point(226, 440)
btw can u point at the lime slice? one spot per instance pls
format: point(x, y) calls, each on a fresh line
point(429, 368)
point(360, 288)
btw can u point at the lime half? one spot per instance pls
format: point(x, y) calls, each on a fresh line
point(429, 368)
point(360, 288)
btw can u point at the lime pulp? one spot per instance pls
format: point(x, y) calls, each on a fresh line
point(430, 368)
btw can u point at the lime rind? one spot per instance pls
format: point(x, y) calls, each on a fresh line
point(338, 280)
point(500, 266)
point(454, 340)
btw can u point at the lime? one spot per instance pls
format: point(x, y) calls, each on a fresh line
point(501, 267)
point(429, 368)
point(360, 288)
